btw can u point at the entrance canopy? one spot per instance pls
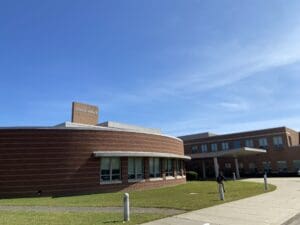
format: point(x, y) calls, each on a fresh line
point(138, 154)
point(245, 151)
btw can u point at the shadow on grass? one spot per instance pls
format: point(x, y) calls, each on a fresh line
point(113, 221)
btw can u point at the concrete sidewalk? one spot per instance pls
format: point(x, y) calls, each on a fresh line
point(273, 208)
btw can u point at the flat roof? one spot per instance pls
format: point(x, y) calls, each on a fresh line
point(196, 136)
point(245, 151)
point(79, 126)
point(138, 154)
point(123, 126)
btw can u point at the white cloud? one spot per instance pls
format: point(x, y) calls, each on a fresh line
point(235, 105)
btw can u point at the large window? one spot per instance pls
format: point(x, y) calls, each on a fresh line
point(214, 147)
point(282, 166)
point(296, 165)
point(204, 147)
point(110, 170)
point(194, 148)
point(249, 143)
point(135, 168)
point(179, 167)
point(277, 141)
point(252, 167)
point(267, 166)
point(236, 144)
point(225, 146)
point(263, 143)
point(227, 165)
point(169, 167)
point(154, 167)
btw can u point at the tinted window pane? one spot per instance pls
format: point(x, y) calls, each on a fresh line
point(105, 164)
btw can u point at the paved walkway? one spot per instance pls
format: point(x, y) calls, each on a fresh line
point(167, 212)
point(273, 208)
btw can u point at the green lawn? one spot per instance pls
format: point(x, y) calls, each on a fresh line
point(32, 218)
point(189, 196)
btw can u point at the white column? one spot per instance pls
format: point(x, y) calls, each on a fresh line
point(237, 170)
point(216, 166)
point(203, 169)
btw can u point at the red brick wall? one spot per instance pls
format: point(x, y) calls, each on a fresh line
point(60, 161)
point(286, 153)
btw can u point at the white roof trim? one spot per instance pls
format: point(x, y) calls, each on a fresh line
point(230, 153)
point(138, 154)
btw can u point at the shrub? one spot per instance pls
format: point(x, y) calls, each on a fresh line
point(191, 175)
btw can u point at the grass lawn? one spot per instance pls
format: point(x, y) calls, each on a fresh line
point(84, 218)
point(189, 196)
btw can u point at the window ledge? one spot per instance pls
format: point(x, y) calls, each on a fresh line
point(111, 182)
point(156, 179)
point(170, 178)
point(136, 180)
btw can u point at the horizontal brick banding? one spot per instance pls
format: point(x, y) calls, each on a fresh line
point(60, 161)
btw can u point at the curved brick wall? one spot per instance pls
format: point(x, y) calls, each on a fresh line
point(60, 161)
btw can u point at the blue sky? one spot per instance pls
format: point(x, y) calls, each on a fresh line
point(182, 66)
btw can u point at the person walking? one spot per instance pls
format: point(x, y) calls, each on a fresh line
point(221, 179)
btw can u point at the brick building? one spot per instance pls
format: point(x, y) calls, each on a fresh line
point(275, 151)
point(83, 156)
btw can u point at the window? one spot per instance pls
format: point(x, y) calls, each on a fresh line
point(204, 147)
point(225, 146)
point(169, 167)
point(263, 143)
point(282, 166)
point(154, 167)
point(267, 166)
point(236, 144)
point(249, 143)
point(277, 141)
point(227, 165)
point(214, 147)
point(194, 148)
point(110, 170)
point(296, 165)
point(179, 167)
point(242, 165)
point(135, 168)
point(252, 167)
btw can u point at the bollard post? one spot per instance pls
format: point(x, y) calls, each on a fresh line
point(126, 207)
point(221, 192)
point(266, 181)
point(234, 177)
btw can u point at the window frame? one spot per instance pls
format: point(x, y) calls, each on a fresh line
point(267, 169)
point(203, 147)
point(136, 174)
point(278, 144)
point(214, 147)
point(237, 144)
point(194, 148)
point(169, 168)
point(265, 143)
point(111, 174)
point(247, 141)
point(282, 169)
point(152, 171)
point(179, 167)
point(296, 165)
point(225, 146)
